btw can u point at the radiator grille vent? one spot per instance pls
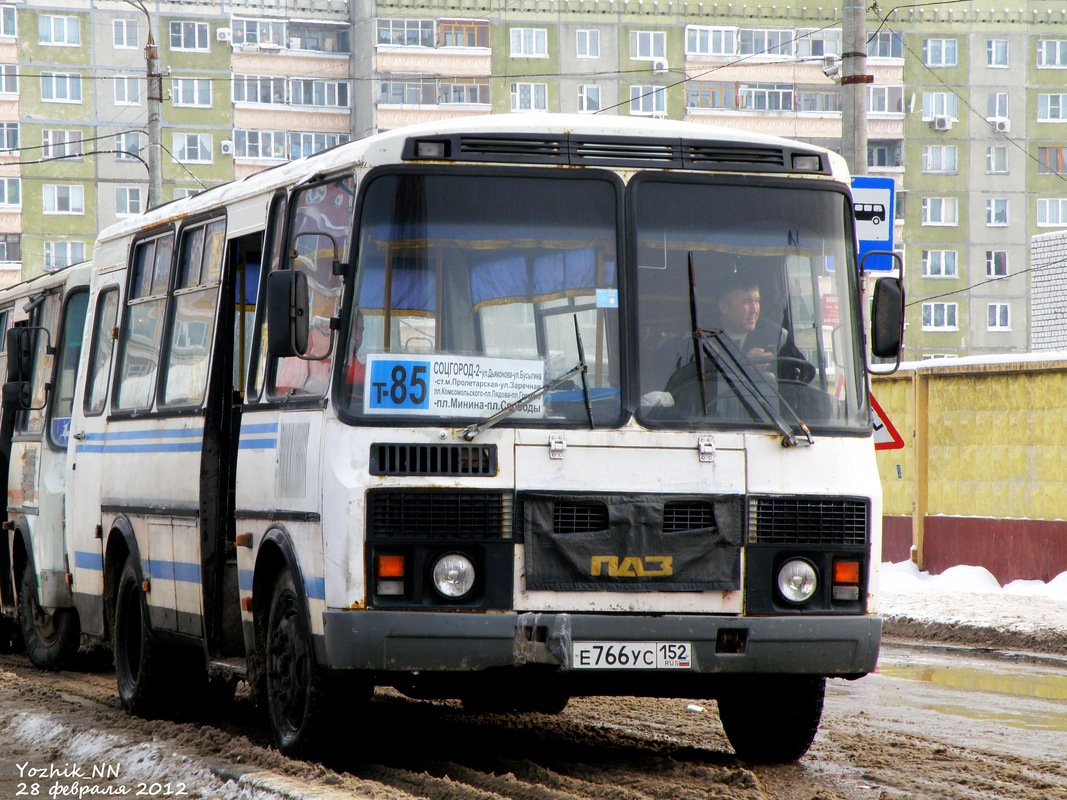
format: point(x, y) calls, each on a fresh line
point(807, 520)
point(438, 514)
point(577, 517)
point(688, 516)
point(433, 459)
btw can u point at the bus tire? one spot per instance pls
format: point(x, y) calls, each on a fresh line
point(139, 657)
point(51, 640)
point(296, 686)
point(773, 720)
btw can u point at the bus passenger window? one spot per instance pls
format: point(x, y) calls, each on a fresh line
point(100, 357)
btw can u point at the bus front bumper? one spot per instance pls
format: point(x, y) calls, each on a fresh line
point(406, 641)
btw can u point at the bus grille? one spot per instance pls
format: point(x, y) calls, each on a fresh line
point(578, 517)
point(438, 514)
point(808, 520)
point(688, 516)
point(433, 459)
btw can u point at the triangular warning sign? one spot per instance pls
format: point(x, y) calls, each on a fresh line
point(885, 435)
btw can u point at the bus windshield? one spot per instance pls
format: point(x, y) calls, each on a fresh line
point(763, 275)
point(474, 290)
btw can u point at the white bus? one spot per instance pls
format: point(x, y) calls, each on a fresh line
point(44, 320)
point(455, 409)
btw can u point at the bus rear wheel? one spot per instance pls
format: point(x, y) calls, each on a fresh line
point(139, 658)
point(773, 719)
point(51, 639)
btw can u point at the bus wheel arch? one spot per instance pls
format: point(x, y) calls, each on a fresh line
point(121, 547)
point(51, 639)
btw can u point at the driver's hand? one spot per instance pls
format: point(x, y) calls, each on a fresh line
point(760, 356)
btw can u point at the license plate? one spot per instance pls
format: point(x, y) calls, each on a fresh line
point(631, 655)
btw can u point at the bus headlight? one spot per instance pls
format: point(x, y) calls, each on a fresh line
point(453, 576)
point(797, 580)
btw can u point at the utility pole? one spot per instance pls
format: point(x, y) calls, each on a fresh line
point(854, 80)
point(155, 119)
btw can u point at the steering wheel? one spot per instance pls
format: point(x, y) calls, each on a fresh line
point(798, 370)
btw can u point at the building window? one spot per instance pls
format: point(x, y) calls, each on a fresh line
point(11, 192)
point(9, 136)
point(996, 211)
point(884, 153)
point(647, 45)
point(127, 201)
point(407, 93)
point(1050, 160)
point(765, 42)
point(406, 32)
point(191, 92)
point(885, 99)
point(529, 43)
point(9, 79)
point(189, 36)
point(1052, 211)
point(10, 247)
point(262, 89)
point(1051, 107)
point(939, 317)
point(319, 37)
point(258, 32)
point(8, 21)
point(765, 96)
point(259, 144)
point(996, 263)
point(63, 198)
point(460, 91)
point(57, 30)
point(819, 42)
point(1052, 53)
point(648, 100)
point(462, 33)
point(128, 146)
point(306, 144)
point(939, 264)
point(939, 211)
point(529, 97)
point(940, 104)
point(309, 92)
point(699, 94)
point(127, 91)
point(702, 40)
point(998, 317)
point(62, 144)
point(192, 148)
point(589, 98)
point(997, 105)
point(61, 87)
point(939, 52)
point(62, 254)
point(996, 160)
point(818, 99)
point(125, 33)
point(885, 44)
point(588, 44)
point(996, 53)
point(940, 158)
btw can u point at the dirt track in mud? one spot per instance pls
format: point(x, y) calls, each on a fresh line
point(56, 729)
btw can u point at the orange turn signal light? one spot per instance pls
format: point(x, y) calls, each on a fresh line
point(846, 572)
point(390, 566)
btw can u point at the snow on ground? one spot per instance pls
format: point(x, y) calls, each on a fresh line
point(972, 597)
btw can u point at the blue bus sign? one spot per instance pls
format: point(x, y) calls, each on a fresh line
point(875, 217)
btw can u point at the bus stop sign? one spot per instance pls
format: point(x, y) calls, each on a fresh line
point(875, 217)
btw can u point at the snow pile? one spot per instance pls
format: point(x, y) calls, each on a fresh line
point(971, 596)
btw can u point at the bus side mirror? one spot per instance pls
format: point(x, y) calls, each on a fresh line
point(19, 353)
point(287, 313)
point(887, 318)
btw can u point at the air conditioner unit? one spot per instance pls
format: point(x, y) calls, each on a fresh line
point(1002, 125)
point(226, 146)
point(223, 35)
point(942, 123)
point(295, 43)
point(659, 65)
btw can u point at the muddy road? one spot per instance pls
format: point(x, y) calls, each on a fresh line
point(932, 724)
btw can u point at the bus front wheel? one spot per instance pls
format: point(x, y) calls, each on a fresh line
point(51, 639)
point(139, 660)
point(774, 719)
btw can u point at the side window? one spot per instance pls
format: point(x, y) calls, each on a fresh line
point(5, 323)
point(45, 314)
point(68, 352)
point(272, 260)
point(196, 295)
point(143, 328)
point(103, 344)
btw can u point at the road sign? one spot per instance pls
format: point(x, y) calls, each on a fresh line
point(885, 435)
point(875, 217)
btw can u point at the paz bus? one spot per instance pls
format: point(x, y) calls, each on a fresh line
point(453, 409)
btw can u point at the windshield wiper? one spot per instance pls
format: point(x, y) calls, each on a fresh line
point(739, 371)
point(578, 369)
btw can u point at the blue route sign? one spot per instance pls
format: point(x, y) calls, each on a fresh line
point(875, 217)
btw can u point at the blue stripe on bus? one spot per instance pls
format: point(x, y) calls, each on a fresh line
point(147, 433)
point(260, 427)
point(158, 447)
point(259, 436)
point(315, 588)
point(258, 444)
point(85, 559)
point(144, 440)
point(173, 571)
point(244, 580)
